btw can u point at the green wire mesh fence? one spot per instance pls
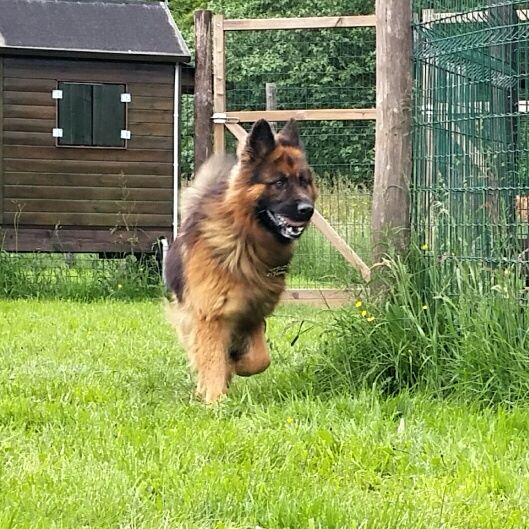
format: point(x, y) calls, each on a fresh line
point(471, 129)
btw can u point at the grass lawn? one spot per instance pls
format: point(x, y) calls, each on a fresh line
point(97, 429)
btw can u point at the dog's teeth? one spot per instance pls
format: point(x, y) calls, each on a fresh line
point(288, 230)
point(294, 231)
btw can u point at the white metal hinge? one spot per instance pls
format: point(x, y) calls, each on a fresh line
point(125, 134)
point(126, 98)
point(57, 133)
point(221, 117)
point(56, 94)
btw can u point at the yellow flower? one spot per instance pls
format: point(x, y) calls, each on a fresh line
point(424, 246)
point(290, 420)
point(364, 313)
point(424, 307)
point(358, 303)
point(371, 318)
point(120, 286)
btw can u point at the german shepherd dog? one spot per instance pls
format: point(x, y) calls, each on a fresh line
point(227, 266)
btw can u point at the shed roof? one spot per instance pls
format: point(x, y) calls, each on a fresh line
point(133, 29)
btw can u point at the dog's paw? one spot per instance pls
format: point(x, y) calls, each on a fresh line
point(215, 395)
point(215, 398)
point(211, 393)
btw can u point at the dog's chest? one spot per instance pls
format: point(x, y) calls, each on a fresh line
point(251, 301)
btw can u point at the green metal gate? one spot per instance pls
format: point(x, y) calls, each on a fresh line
point(471, 139)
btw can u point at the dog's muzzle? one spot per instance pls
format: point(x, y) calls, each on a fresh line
point(289, 228)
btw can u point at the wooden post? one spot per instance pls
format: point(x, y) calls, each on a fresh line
point(203, 87)
point(219, 81)
point(391, 196)
point(271, 100)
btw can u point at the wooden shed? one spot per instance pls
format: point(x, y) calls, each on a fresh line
point(89, 124)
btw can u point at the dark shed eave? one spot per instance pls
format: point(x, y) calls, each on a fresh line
point(94, 54)
point(100, 26)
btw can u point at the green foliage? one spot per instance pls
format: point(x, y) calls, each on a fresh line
point(445, 327)
point(290, 8)
point(187, 153)
point(182, 11)
point(329, 68)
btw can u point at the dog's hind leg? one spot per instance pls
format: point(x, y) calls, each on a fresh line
point(210, 355)
point(256, 357)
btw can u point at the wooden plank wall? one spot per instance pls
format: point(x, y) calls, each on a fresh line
point(1, 139)
point(45, 185)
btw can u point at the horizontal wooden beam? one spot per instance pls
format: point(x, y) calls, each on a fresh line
point(107, 220)
point(80, 239)
point(324, 297)
point(331, 114)
point(299, 23)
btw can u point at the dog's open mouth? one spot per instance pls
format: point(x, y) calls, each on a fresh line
point(290, 229)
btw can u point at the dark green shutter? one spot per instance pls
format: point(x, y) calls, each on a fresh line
point(75, 114)
point(109, 115)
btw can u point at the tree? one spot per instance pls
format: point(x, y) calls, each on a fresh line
point(329, 68)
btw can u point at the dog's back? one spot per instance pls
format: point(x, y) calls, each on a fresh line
point(210, 184)
point(211, 179)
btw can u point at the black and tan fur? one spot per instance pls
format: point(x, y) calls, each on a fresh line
point(227, 266)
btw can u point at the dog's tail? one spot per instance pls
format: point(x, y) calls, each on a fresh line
point(215, 169)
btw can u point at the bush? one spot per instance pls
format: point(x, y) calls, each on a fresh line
point(445, 327)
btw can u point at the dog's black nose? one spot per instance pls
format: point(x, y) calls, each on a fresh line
point(305, 210)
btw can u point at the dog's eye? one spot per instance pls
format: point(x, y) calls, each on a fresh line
point(303, 181)
point(281, 183)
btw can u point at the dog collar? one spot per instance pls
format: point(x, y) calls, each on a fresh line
point(278, 271)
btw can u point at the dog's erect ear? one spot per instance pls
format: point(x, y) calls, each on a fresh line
point(289, 134)
point(260, 141)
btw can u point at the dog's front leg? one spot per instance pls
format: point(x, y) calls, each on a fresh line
point(210, 351)
point(256, 358)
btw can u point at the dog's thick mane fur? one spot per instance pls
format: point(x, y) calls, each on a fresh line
point(213, 172)
point(218, 210)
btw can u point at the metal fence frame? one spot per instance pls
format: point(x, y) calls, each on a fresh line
point(470, 202)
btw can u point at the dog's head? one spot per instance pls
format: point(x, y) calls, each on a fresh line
point(281, 180)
